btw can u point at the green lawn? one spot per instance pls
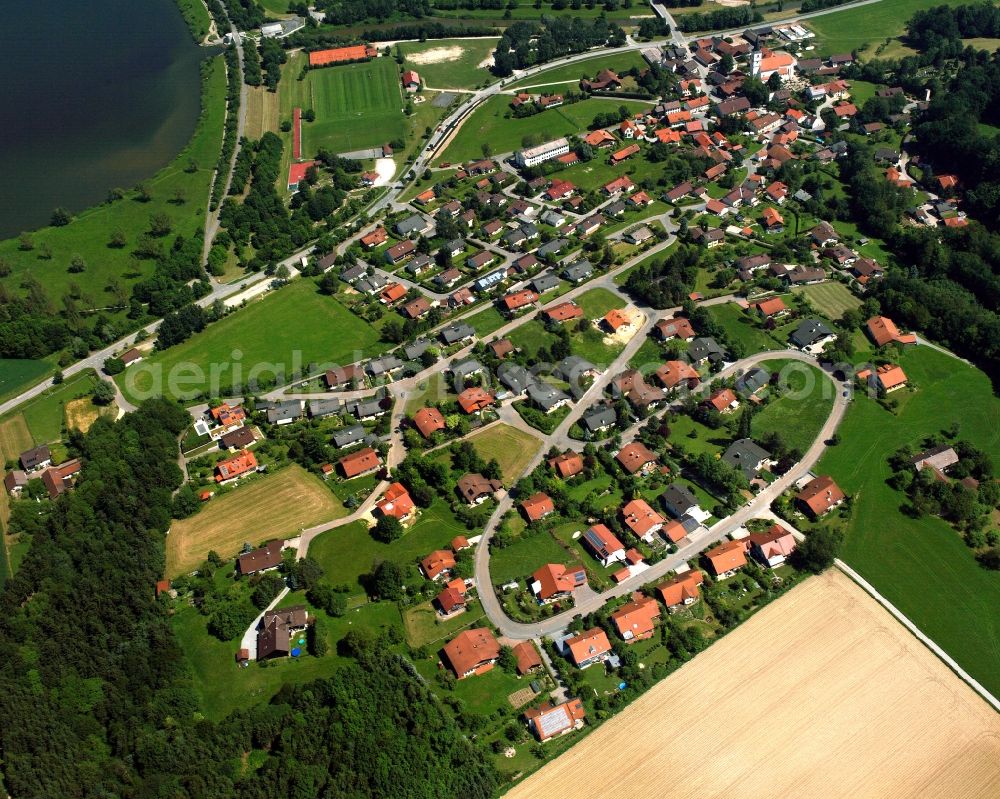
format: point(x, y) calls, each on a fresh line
point(530, 337)
point(196, 16)
point(486, 321)
point(831, 299)
point(18, 374)
point(731, 318)
point(648, 358)
point(424, 627)
point(597, 302)
point(921, 565)
point(89, 232)
point(489, 125)
point(459, 71)
point(619, 62)
point(356, 105)
point(704, 439)
point(44, 414)
point(862, 91)
point(865, 27)
point(524, 556)
point(347, 552)
point(805, 402)
point(294, 326)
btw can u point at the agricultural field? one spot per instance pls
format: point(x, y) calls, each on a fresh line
point(450, 63)
point(799, 674)
point(17, 374)
point(512, 448)
point(804, 404)
point(489, 125)
point(921, 565)
point(262, 111)
point(865, 28)
point(831, 299)
point(346, 553)
point(270, 506)
point(288, 328)
point(356, 105)
point(89, 232)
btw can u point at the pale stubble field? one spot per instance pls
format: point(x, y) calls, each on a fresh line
point(821, 694)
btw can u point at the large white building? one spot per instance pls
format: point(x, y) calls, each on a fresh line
point(532, 156)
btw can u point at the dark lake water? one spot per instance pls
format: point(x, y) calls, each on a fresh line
point(96, 94)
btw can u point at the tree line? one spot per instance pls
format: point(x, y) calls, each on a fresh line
point(526, 44)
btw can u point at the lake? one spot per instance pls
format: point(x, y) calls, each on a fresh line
point(96, 95)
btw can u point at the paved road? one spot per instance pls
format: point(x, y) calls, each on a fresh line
point(759, 506)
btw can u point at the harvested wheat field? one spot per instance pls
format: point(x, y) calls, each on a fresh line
point(82, 413)
point(821, 694)
point(274, 506)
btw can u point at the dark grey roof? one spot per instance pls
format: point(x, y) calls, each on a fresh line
point(291, 409)
point(572, 368)
point(598, 416)
point(383, 365)
point(753, 380)
point(412, 223)
point(514, 377)
point(552, 247)
point(324, 407)
point(417, 348)
point(578, 271)
point(457, 332)
point(745, 455)
point(809, 332)
point(462, 369)
point(349, 435)
point(364, 409)
point(543, 283)
point(546, 396)
point(705, 347)
point(678, 499)
point(352, 273)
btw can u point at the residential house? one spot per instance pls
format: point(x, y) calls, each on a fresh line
point(14, 482)
point(413, 226)
point(515, 378)
point(36, 458)
point(753, 381)
point(635, 620)
point(819, 496)
point(563, 312)
point(282, 412)
point(637, 458)
point(277, 627)
point(361, 462)
point(428, 421)
point(680, 502)
point(528, 659)
point(243, 463)
point(642, 520)
point(518, 300)
point(676, 374)
point(553, 581)
point(681, 590)
point(547, 397)
point(260, 560)
point(438, 564)
point(352, 376)
point(724, 401)
point(939, 458)
point(770, 308)
point(537, 507)
point(772, 547)
point(726, 559)
point(396, 502)
point(457, 332)
point(471, 652)
point(451, 601)
point(598, 418)
point(398, 252)
point(411, 80)
point(347, 436)
point(475, 399)
point(747, 456)
point(476, 489)
point(318, 409)
point(882, 330)
point(588, 648)
point(811, 336)
point(603, 545)
point(677, 327)
point(568, 464)
point(548, 721)
point(375, 238)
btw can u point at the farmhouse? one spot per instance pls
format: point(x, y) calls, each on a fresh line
point(819, 496)
point(547, 721)
point(36, 458)
point(277, 626)
point(604, 545)
point(360, 462)
point(726, 559)
point(588, 647)
point(681, 590)
point(553, 581)
point(15, 481)
point(634, 621)
point(636, 458)
point(235, 467)
point(259, 560)
point(471, 652)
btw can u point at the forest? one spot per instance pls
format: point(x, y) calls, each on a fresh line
point(95, 693)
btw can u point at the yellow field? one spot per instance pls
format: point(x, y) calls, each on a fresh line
point(821, 694)
point(276, 505)
point(82, 413)
point(15, 437)
point(511, 447)
point(262, 112)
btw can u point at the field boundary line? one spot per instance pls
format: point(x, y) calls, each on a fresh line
point(947, 659)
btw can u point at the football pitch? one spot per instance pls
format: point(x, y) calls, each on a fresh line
point(357, 106)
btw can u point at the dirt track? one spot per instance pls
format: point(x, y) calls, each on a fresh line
point(822, 694)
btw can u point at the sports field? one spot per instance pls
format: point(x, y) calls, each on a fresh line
point(512, 448)
point(356, 105)
point(820, 694)
point(831, 299)
point(487, 124)
point(272, 506)
point(292, 327)
point(921, 565)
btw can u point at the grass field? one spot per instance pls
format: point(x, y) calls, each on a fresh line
point(488, 124)
point(347, 552)
point(597, 302)
point(424, 627)
point(730, 317)
point(824, 687)
point(82, 413)
point(196, 16)
point(271, 506)
point(356, 105)
point(89, 232)
point(831, 299)
point(45, 414)
point(295, 319)
point(866, 27)
point(486, 321)
point(619, 62)
point(799, 413)
point(262, 112)
point(921, 565)
point(524, 556)
point(18, 374)
point(449, 63)
point(512, 448)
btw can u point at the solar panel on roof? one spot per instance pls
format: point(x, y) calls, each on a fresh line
point(553, 722)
